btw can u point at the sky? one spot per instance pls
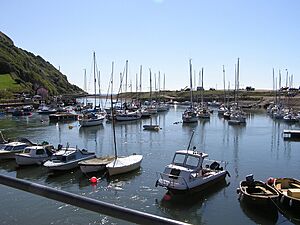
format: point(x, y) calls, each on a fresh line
point(161, 35)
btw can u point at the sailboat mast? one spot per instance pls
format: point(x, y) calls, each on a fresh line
point(112, 111)
point(191, 84)
point(85, 86)
point(164, 81)
point(126, 76)
point(150, 86)
point(141, 70)
point(99, 88)
point(238, 81)
point(234, 83)
point(94, 59)
point(202, 90)
point(274, 87)
point(224, 84)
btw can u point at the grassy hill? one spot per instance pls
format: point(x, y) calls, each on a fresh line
point(21, 70)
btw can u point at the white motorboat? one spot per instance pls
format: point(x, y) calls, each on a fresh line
point(91, 119)
point(190, 171)
point(10, 149)
point(95, 164)
point(124, 164)
point(67, 158)
point(34, 155)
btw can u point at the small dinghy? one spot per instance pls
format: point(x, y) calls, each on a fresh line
point(289, 192)
point(95, 164)
point(256, 192)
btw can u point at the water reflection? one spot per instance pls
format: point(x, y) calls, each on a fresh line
point(8, 165)
point(31, 172)
point(260, 215)
point(181, 206)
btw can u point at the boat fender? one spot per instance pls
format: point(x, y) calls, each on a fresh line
point(291, 203)
point(238, 190)
point(156, 183)
point(281, 199)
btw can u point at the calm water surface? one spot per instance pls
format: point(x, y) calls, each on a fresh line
point(256, 148)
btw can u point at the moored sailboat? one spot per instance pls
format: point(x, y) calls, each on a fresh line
point(190, 115)
point(120, 164)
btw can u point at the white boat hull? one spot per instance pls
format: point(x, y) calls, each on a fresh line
point(61, 166)
point(124, 164)
point(193, 186)
point(24, 160)
point(88, 123)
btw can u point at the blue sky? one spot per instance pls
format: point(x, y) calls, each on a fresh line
point(162, 35)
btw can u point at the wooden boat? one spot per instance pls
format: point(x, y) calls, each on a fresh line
point(34, 155)
point(257, 192)
point(289, 192)
point(95, 164)
point(67, 158)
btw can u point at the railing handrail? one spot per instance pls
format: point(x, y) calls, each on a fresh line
point(112, 210)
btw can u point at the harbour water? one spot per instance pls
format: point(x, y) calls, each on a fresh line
point(257, 148)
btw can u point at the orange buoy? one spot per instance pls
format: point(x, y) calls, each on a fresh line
point(93, 180)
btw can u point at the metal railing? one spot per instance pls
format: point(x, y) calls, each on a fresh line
point(108, 209)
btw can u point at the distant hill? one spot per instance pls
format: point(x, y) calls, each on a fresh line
point(22, 71)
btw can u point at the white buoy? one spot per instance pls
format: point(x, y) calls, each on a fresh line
point(291, 203)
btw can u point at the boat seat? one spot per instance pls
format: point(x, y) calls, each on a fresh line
point(285, 184)
point(294, 185)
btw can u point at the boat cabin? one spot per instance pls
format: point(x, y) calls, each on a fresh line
point(189, 159)
point(15, 146)
point(38, 151)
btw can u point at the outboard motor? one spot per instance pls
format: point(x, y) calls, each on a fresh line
point(214, 166)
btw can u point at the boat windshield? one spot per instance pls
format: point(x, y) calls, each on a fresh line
point(179, 159)
point(8, 148)
point(186, 160)
point(192, 161)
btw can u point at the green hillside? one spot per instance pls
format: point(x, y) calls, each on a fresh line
point(21, 70)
